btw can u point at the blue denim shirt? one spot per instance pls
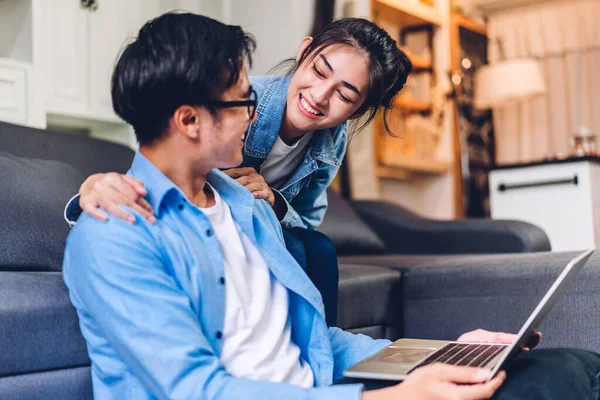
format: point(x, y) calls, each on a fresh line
point(305, 191)
point(151, 302)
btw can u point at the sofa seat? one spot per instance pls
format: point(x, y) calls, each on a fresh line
point(368, 299)
point(39, 328)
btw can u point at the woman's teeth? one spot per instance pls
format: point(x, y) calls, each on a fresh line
point(307, 107)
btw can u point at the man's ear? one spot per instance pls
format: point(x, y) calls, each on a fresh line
point(187, 121)
point(305, 42)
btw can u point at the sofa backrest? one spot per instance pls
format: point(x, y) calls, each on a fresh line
point(349, 234)
point(33, 196)
point(41, 171)
point(87, 155)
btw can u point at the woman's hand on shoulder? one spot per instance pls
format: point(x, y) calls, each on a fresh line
point(254, 182)
point(111, 191)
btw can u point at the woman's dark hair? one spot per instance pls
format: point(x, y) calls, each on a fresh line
point(389, 66)
point(177, 59)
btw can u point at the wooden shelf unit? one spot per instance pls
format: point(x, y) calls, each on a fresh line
point(406, 12)
point(384, 172)
point(459, 21)
point(464, 21)
point(418, 165)
point(420, 63)
point(408, 104)
point(394, 15)
point(406, 168)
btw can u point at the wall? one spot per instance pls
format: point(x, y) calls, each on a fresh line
point(16, 38)
point(278, 26)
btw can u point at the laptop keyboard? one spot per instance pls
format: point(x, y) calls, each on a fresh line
point(473, 355)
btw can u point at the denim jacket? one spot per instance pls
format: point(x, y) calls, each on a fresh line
point(305, 191)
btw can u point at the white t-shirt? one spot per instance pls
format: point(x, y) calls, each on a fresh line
point(257, 333)
point(283, 160)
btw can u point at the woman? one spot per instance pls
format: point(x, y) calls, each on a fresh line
point(293, 150)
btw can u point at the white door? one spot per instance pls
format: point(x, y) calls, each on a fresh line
point(65, 55)
point(112, 24)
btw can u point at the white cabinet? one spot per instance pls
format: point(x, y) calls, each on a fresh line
point(105, 45)
point(21, 95)
point(63, 36)
point(57, 58)
point(562, 198)
point(15, 88)
point(81, 47)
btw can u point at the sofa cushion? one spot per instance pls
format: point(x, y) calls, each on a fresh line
point(39, 328)
point(368, 296)
point(63, 384)
point(349, 234)
point(33, 196)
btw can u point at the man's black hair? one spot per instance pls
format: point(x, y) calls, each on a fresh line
point(177, 59)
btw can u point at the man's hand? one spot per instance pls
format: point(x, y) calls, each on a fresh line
point(483, 336)
point(112, 190)
point(442, 382)
point(254, 182)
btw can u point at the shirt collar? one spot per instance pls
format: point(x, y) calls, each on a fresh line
point(158, 185)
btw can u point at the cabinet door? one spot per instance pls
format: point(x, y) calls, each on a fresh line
point(112, 24)
point(14, 79)
point(556, 198)
point(65, 53)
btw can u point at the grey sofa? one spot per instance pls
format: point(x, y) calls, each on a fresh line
point(384, 291)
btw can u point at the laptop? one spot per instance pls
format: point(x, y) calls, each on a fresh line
point(399, 359)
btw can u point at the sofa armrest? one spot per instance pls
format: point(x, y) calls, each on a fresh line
point(404, 232)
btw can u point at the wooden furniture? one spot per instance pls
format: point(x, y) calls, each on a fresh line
point(396, 157)
point(460, 21)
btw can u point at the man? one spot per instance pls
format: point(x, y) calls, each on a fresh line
point(207, 303)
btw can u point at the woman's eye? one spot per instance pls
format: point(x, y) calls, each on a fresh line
point(317, 72)
point(344, 98)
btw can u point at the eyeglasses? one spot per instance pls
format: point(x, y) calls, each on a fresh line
point(251, 104)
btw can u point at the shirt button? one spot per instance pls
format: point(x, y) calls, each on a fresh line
point(181, 206)
point(219, 335)
point(222, 280)
point(209, 232)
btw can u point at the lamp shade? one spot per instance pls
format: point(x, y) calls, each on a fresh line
point(507, 81)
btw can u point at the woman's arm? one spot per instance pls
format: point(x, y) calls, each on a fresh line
point(103, 194)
